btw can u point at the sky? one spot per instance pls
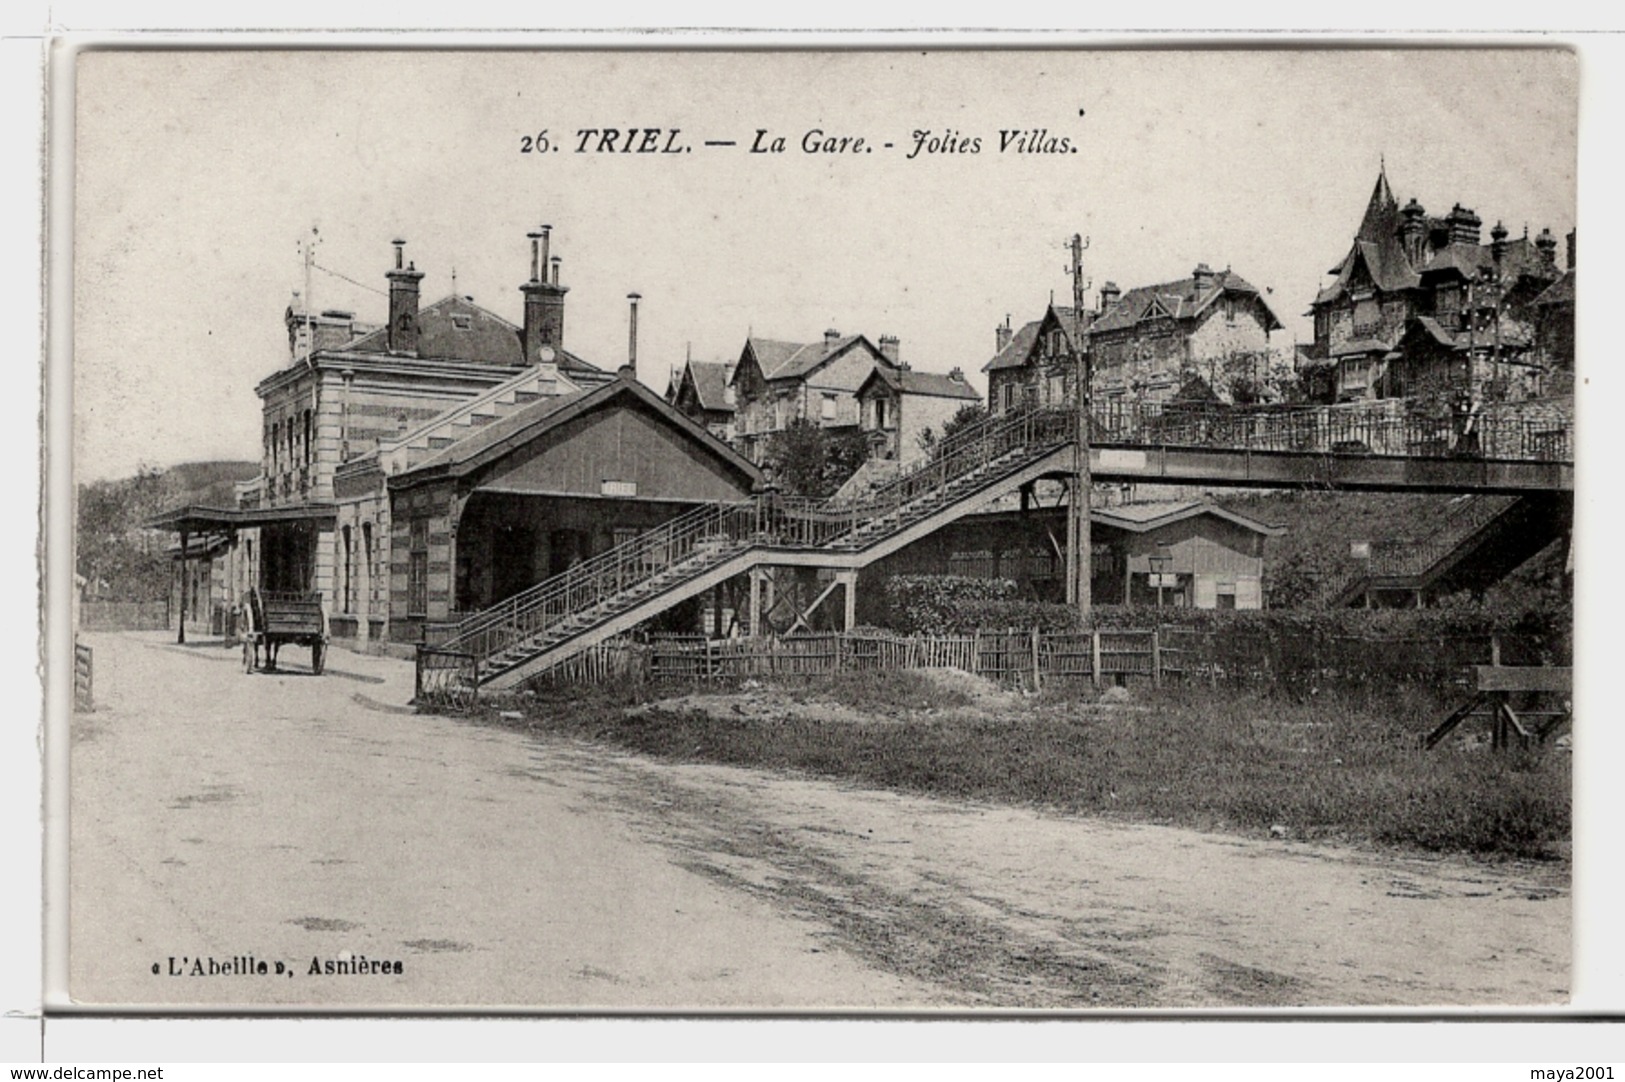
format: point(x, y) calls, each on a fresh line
point(198, 174)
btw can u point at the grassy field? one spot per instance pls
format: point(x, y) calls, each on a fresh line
point(1345, 767)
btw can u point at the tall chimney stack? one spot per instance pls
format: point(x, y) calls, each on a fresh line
point(831, 337)
point(544, 299)
point(1546, 246)
point(402, 333)
point(1001, 335)
point(631, 367)
point(891, 349)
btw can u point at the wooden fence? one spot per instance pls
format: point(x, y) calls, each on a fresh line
point(1034, 659)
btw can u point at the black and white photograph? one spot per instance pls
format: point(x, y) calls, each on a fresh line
point(800, 531)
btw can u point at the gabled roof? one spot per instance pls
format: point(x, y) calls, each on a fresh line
point(1379, 248)
point(1521, 257)
point(794, 360)
point(502, 436)
point(1018, 351)
point(1559, 292)
point(1015, 352)
point(908, 381)
point(1512, 335)
point(456, 329)
point(1180, 300)
point(710, 382)
point(1144, 517)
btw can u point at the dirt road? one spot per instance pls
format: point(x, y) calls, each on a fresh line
point(294, 818)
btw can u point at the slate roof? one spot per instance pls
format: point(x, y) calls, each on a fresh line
point(908, 381)
point(1014, 354)
point(791, 360)
point(1181, 299)
point(1512, 335)
point(1142, 517)
point(710, 379)
point(1020, 346)
point(523, 425)
point(456, 329)
point(1148, 516)
point(1559, 292)
point(1378, 246)
point(1363, 345)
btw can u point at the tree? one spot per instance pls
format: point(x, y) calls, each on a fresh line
point(114, 551)
point(970, 415)
point(809, 460)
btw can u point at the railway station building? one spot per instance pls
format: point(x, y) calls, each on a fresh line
point(442, 460)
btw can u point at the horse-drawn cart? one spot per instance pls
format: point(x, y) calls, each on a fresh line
point(275, 620)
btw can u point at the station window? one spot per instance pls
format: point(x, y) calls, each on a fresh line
point(417, 569)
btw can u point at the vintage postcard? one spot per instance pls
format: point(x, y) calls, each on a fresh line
point(864, 530)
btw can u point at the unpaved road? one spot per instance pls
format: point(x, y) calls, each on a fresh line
point(294, 818)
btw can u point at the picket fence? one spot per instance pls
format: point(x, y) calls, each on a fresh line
point(1034, 658)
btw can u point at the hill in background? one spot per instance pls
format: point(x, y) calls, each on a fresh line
point(119, 559)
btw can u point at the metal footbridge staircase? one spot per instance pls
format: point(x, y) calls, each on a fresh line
point(615, 591)
point(1378, 447)
point(1480, 542)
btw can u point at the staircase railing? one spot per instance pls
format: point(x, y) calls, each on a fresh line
point(1415, 557)
point(1010, 438)
point(705, 531)
point(1396, 559)
point(702, 536)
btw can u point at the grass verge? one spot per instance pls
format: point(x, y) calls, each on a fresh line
point(1339, 766)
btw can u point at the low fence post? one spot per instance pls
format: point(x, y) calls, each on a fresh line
point(1094, 657)
point(417, 676)
point(1037, 684)
point(1156, 657)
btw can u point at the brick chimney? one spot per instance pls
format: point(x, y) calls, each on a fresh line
point(544, 299)
point(956, 374)
point(403, 303)
point(1498, 243)
point(831, 337)
point(1002, 335)
point(1464, 225)
point(1546, 245)
point(1202, 276)
point(889, 348)
point(1109, 295)
point(1413, 230)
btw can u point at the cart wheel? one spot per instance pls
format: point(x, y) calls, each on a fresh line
point(318, 657)
point(248, 656)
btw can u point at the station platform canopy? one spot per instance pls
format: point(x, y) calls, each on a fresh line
point(194, 519)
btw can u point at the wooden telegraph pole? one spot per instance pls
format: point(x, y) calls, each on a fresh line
point(1082, 480)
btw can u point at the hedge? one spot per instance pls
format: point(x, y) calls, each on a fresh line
point(947, 604)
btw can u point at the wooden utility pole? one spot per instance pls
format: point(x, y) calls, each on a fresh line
point(1081, 563)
